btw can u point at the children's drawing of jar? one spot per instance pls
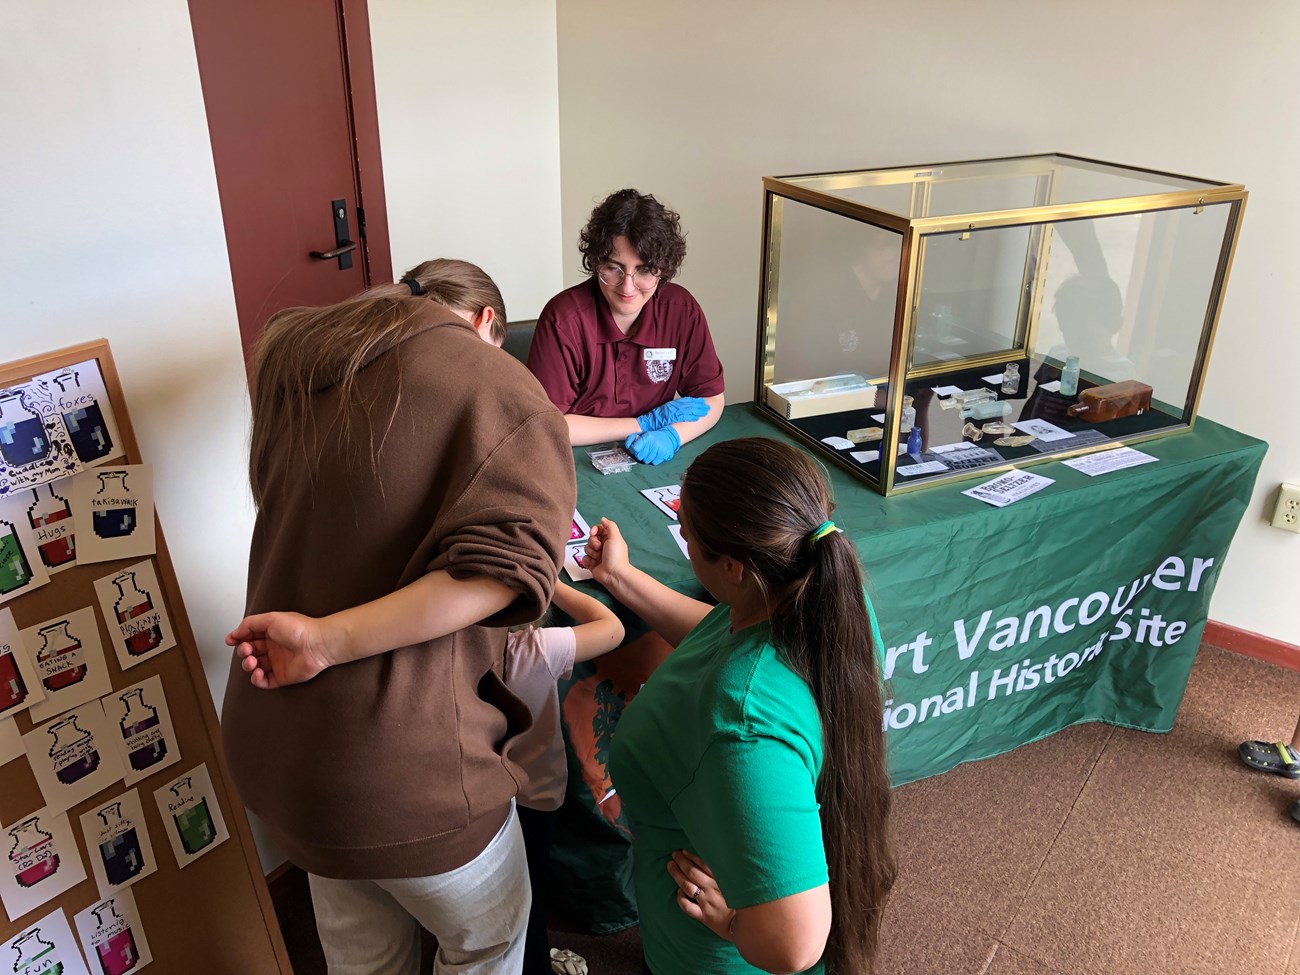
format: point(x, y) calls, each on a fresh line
point(73, 751)
point(139, 718)
point(13, 691)
point(132, 602)
point(32, 853)
point(113, 522)
point(194, 822)
point(116, 947)
point(85, 424)
point(15, 569)
point(50, 509)
point(22, 432)
point(59, 658)
point(123, 858)
point(36, 955)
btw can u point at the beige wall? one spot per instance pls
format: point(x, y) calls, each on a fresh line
point(696, 101)
point(469, 131)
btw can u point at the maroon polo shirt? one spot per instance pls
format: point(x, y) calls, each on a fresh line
point(590, 368)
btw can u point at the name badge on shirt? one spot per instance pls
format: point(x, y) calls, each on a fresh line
point(659, 364)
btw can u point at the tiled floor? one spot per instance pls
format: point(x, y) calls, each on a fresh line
point(1098, 851)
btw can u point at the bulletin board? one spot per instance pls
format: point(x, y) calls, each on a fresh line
point(123, 846)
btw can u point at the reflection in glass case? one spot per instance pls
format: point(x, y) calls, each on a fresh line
point(1010, 310)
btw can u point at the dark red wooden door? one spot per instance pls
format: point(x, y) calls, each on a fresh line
point(289, 91)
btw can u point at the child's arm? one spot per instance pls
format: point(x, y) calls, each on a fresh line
point(596, 628)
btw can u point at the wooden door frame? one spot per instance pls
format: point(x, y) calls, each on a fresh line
point(363, 115)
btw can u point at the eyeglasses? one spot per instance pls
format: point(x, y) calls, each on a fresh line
point(643, 279)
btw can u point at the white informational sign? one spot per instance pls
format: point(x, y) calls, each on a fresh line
point(1110, 460)
point(20, 687)
point(113, 936)
point(839, 443)
point(191, 815)
point(21, 568)
point(44, 948)
point(1009, 488)
point(69, 659)
point(929, 467)
point(74, 756)
point(112, 513)
point(34, 444)
point(79, 395)
point(48, 511)
point(1047, 432)
point(117, 843)
point(573, 558)
point(135, 614)
point(145, 738)
point(11, 743)
point(42, 862)
point(865, 456)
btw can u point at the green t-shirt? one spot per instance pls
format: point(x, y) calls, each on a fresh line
point(719, 754)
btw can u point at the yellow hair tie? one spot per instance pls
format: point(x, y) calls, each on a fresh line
point(826, 528)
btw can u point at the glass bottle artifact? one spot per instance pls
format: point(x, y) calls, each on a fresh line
point(139, 718)
point(116, 947)
point(113, 522)
point(194, 823)
point(1011, 379)
point(86, 426)
point(1070, 376)
point(32, 853)
point(59, 658)
point(73, 751)
point(22, 433)
point(15, 569)
point(121, 853)
point(132, 601)
point(966, 398)
point(908, 419)
point(914, 443)
point(54, 539)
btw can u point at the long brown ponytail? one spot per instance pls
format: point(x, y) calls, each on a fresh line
point(760, 502)
point(304, 350)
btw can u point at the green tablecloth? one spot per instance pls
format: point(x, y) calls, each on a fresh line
point(1084, 602)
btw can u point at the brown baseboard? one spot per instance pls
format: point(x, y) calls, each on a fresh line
point(1250, 644)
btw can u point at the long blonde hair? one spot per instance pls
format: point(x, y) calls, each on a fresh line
point(305, 350)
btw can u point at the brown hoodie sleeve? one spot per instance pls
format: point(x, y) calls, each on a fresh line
point(513, 518)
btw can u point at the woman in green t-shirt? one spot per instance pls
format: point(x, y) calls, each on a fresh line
point(752, 764)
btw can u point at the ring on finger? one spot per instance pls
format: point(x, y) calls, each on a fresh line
point(692, 897)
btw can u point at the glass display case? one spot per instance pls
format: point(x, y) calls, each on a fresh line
point(922, 324)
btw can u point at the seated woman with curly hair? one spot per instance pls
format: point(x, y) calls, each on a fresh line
point(615, 352)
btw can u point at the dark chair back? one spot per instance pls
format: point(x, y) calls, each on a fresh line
point(519, 337)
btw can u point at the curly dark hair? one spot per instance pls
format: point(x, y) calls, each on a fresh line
point(650, 227)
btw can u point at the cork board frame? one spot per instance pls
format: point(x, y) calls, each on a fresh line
point(216, 914)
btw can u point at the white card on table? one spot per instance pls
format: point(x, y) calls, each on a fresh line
point(667, 499)
point(78, 393)
point(112, 512)
point(1053, 387)
point(135, 614)
point(1043, 430)
point(145, 737)
point(113, 935)
point(69, 660)
point(20, 685)
point(929, 467)
point(117, 843)
point(573, 558)
point(676, 532)
point(839, 443)
point(74, 756)
point(946, 390)
point(1109, 460)
point(1009, 488)
point(865, 456)
point(42, 861)
point(46, 947)
point(191, 815)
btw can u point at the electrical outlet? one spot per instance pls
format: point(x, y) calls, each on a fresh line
point(1287, 513)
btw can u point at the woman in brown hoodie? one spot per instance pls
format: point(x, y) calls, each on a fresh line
point(413, 488)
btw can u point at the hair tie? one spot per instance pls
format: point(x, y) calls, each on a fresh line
point(414, 285)
point(824, 529)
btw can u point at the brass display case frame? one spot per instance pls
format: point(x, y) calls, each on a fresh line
point(915, 230)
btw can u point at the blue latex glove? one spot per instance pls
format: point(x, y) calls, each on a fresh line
point(654, 446)
point(674, 411)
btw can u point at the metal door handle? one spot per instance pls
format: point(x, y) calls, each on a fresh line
point(346, 247)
